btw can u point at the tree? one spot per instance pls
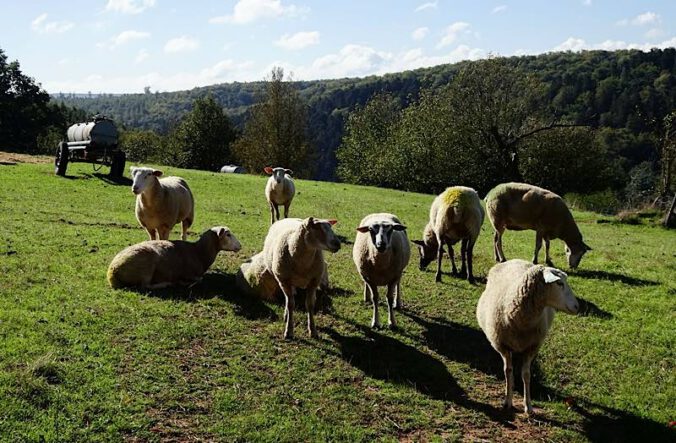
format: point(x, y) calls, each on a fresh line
point(141, 146)
point(275, 133)
point(202, 139)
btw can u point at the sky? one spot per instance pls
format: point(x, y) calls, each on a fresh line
point(123, 46)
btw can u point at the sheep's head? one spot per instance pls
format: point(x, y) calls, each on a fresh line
point(226, 239)
point(428, 253)
point(278, 173)
point(574, 254)
point(381, 233)
point(142, 177)
point(558, 294)
point(320, 235)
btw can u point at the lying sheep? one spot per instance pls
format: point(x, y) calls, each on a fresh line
point(279, 190)
point(161, 203)
point(456, 215)
point(292, 252)
point(516, 311)
point(519, 206)
point(157, 264)
point(381, 252)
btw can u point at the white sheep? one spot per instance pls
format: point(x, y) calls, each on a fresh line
point(157, 264)
point(161, 203)
point(293, 253)
point(455, 215)
point(279, 190)
point(516, 311)
point(380, 253)
point(518, 206)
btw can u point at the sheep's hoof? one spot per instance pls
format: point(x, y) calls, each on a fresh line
point(438, 278)
point(471, 280)
point(507, 405)
point(314, 334)
point(375, 325)
point(392, 326)
point(529, 411)
point(550, 263)
point(288, 335)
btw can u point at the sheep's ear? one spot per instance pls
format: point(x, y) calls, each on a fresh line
point(363, 229)
point(549, 276)
point(221, 232)
point(586, 247)
point(268, 170)
point(332, 222)
point(288, 171)
point(399, 227)
point(310, 221)
point(418, 242)
point(133, 169)
point(157, 173)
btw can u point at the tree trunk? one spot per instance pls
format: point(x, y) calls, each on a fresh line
point(670, 217)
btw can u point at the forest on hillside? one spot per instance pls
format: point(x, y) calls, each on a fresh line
point(624, 90)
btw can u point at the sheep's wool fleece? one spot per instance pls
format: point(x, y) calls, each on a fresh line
point(456, 196)
point(254, 279)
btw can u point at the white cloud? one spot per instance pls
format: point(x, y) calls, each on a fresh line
point(578, 44)
point(654, 33)
point(141, 56)
point(129, 6)
point(181, 44)
point(41, 26)
point(647, 18)
point(248, 11)
point(123, 38)
point(428, 5)
point(420, 33)
point(452, 32)
point(497, 9)
point(587, 2)
point(297, 41)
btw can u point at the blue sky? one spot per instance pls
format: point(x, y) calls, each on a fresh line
point(124, 45)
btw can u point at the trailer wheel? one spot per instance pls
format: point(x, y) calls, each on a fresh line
point(117, 164)
point(61, 160)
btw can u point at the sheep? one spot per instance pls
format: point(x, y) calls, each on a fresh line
point(279, 190)
point(380, 253)
point(455, 215)
point(516, 311)
point(519, 206)
point(156, 264)
point(162, 203)
point(292, 252)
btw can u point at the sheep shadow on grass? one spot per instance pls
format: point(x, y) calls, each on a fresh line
point(614, 277)
point(116, 181)
point(590, 309)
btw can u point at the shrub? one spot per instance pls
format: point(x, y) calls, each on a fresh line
point(603, 202)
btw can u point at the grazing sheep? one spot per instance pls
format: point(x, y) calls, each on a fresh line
point(157, 264)
point(516, 311)
point(381, 252)
point(279, 190)
point(293, 253)
point(519, 206)
point(161, 203)
point(456, 215)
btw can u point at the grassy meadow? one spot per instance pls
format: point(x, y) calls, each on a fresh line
point(82, 362)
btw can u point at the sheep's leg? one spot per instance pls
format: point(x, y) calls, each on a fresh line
point(509, 378)
point(164, 232)
point(398, 304)
point(440, 255)
point(288, 291)
point(525, 376)
point(272, 213)
point(538, 245)
point(151, 233)
point(470, 255)
point(391, 288)
point(286, 210)
point(497, 241)
point(277, 211)
point(451, 254)
point(367, 296)
point(547, 257)
point(185, 224)
point(375, 321)
point(463, 257)
point(310, 299)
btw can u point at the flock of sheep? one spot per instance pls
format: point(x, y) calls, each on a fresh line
point(515, 310)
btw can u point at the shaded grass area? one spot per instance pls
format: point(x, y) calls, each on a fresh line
point(82, 362)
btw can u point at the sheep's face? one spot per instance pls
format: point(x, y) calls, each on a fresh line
point(428, 253)
point(278, 174)
point(574, 255)
point(559, 294)
point(142, 177)
point(381, 233)
point(320, 235)
point(226, 239)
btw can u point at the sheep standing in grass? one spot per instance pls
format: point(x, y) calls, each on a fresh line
point(162, 202)
point(279, 190)
point(516, 311)
point(519, 206)
point(456, 215)
point(381, 252)
point(293, 253)
point(157, 264)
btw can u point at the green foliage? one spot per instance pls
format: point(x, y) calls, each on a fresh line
point(641, 186)
point(48, 140)
point(202, 139)
point(603, 202)
point(141, 146)
point(275, 133)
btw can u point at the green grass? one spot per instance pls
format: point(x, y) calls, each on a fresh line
point(82, 362)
